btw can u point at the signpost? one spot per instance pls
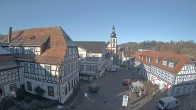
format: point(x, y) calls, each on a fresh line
point(125, 100)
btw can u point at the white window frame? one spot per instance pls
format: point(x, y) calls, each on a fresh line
point(157, 60)
point(164, 63)
point(50, 91)
point(171, 64)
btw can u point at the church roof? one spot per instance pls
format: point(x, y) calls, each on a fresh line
point(91, 46)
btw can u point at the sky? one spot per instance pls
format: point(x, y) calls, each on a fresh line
point(92, 20)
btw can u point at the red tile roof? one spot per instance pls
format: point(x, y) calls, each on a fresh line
point(128, 53)
point(179, 59)
point(54, 54)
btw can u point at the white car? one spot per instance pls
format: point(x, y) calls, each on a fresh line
point(167, 103)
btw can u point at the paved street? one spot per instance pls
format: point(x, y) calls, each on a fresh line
point(110, 94)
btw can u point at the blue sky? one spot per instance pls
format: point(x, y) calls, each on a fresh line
point(92, 20)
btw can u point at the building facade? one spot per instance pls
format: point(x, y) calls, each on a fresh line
point(171, 72)
point(92, 58)
point(126, 55)
point(9, 74)
point(48, 58)
point(112, 44)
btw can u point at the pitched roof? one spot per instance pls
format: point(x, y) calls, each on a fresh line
point(57, 38)
point(107, 43)
point(92, 46)
point(179, 59)
point(128, 53)
point(4, 52)
point(7, 63)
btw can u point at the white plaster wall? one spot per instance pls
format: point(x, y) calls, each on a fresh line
point(7, 88)
point(44, 86)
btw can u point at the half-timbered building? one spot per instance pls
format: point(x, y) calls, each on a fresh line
point(9, 74)
point(48, 58)
point(92, 58)
point(167, 70)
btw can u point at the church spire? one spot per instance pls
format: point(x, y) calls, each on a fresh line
point(113, 29)
point(113, 34)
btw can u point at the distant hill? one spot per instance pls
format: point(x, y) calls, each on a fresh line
point(180, 47)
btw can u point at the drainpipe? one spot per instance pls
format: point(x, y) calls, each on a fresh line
point(59, 85)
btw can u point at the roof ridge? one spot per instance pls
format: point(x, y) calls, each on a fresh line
point(37, 28)
point(89, 41)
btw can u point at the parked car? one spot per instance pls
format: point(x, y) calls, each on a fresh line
point(167, 103)
point(126, 82)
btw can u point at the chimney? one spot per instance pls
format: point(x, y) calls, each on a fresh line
point(10, 35)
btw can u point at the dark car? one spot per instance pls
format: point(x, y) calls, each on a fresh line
point(126, 82)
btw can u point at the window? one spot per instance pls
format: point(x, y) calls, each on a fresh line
point(31, 50)
point(165, 63)
point(12, 49)
point(17, 50)
point(157, 60)
point(72, 83)
point(12, 87)
point(149, 59)
point(68, 67)
point(178, 91)
point(81, 67)
point(139, 57)
point(50, 91)
point(22, 50)
point(113, 40)
point(88, 67)
point(184, 89)
point(189, 89)
point(75, 51)
point(113, 45)
point(29, 86)
point(72, 65)
point(25, 67)
point(32, 69)
point(95, 68)
point(1, 91)
point(77, 79)
point(71, 51)
point(66, 90)
point(81, 55)
point(171, 64)
point(48, 70)
point(69, 86)
point(146, 58)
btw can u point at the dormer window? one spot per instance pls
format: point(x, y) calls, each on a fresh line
point(165, 63)
point(171, 65)
point(149, 59)
point(33, 37)
point(157, 60)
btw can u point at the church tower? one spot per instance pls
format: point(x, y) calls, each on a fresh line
point(113, 41)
